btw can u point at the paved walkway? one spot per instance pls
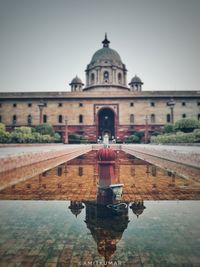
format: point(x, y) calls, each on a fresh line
point(22, 149)
point(187, 155)
point(16, 157)
point(184, 149)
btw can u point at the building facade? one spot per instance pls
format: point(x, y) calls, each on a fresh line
point(106, 104)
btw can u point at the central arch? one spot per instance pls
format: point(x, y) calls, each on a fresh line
point(106, 122)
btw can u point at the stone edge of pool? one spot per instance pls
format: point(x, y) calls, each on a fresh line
point(187, 157)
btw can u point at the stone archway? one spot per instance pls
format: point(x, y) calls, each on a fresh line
point(106, 122)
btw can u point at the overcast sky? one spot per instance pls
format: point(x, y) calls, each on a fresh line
point(45, 43)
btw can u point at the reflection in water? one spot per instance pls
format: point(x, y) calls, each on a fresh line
point(76, 207)
point(107, 217)
point(76, 180)
point(106, 198)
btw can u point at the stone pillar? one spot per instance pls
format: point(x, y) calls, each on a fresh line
point(125, 78)
point(87, 78)
point(65, 141)
point(146, 133)
point(114, 76)
point(41, 106)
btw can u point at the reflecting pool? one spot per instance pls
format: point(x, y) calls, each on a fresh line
point(155, 223)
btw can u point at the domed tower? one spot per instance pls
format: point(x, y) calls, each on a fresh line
point(136, 84)
point(106, 69)
point(76, 84)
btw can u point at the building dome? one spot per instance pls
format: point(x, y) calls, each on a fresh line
point(106, 70)
point(106, 54)
point(136, 79)
point(136, 84)
point(76, 84)
point(76, 80)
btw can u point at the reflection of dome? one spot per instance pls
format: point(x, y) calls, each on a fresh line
point(76, 207)
point(106, 154)
point(137, 208)
point(107, 229)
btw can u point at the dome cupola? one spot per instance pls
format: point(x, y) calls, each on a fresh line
point(106, 68)
point(76, 84)
point(136, 84)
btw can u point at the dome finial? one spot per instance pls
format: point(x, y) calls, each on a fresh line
point(105, 41)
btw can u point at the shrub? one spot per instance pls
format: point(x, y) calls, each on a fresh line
point(132, 139)
point(23, 130)
point(46, 138)
point(45, 129)
point(169, 128)
point(186, 125)
point(139, 134)
point(2, 127)
point(178, 137)
point(4, 137)
point(57, 137)
point(77, 139)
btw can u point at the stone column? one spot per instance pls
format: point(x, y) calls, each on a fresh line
point(65, 141)
point(41, 106)
point(125, 78)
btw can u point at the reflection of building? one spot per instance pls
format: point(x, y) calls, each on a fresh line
point(106, 228)
point(106, 103)
point(76, 207)
point(138, 207)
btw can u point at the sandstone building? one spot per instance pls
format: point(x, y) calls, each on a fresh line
point(105, 104)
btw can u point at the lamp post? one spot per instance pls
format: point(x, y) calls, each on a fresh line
point(146, 133)
point(171, 103)
point(41, 105)
point(65, 141)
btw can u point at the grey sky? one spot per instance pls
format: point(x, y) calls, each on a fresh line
point(45, 43)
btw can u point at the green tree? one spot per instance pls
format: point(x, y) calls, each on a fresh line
point(2, 127)
point(57, 137)
point(4, 136)
point(169, 128)
point(45, 129)
point(24, 130)
point(186, 125)
point(132, 139)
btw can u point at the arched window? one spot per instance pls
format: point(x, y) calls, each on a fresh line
point(132, 118)
point(81, 118)
point(184, 116)
point(106, 76)
point(44, 118)
point(29, 119)
point(198, 116)
point(14, 119)
point(92, 77)
point(153, 118)
point(59, 171)
point(80, 171)
point(168, 118)
point(60, 118)
point(119, 78)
